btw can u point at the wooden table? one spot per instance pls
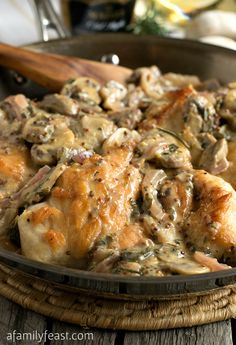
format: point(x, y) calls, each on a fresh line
point(14, 317)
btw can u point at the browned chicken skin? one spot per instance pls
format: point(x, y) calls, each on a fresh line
point(93, 200)
point(211, 225)
point(15, 168)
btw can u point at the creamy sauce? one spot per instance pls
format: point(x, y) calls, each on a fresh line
point(108, 177)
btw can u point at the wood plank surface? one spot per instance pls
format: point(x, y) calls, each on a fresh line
point(233, 326)
point(14, 317)
point(218, 333)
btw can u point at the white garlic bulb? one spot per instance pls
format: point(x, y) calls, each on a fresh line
point(219, 41)
point(212, 23)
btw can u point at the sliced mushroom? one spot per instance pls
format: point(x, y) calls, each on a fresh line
point(230, 100)
point(61, 104)
point(200, 114)
point(206, 139)
point(232, 85)
point(186, 266)
point(105, 265)
point(83, 89)
point(211, 85)
point(135, 97)
point(230, 117)
point(113, 94)
point(175, 258)
point(47, 153)
point(127, 117)
point(165, 150)
point(194, 122)
point(195, 146)
point(214, 157)
point(154, 84)
point(149, 82)
point(120, 137)
point(227, 107)
point(39, 129)
point(136, 76)
point(174, 81)
point(16, 107)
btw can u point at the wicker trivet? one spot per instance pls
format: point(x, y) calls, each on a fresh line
point(86, 310)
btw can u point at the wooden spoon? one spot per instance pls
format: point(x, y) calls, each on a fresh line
point(51, 71)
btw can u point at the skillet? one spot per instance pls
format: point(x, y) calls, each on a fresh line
point(181, 56)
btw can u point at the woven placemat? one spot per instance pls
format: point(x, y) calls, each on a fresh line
point(75, 307)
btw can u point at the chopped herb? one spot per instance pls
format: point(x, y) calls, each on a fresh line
point(174, 135)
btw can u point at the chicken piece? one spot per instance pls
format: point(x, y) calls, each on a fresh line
point(184, 112)
point(44, 227)
point(211, 225)
point(94, 198)
point(167, 111)
point(15, 167)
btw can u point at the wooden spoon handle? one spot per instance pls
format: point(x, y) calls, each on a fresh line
point(51, 71)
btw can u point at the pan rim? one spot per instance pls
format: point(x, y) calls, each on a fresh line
point(60, 273)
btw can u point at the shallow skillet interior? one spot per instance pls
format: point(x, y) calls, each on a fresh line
point(173, 55)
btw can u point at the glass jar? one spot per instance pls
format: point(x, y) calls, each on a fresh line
point(98, 15)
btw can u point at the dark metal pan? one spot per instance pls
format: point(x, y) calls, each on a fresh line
point(174, 55)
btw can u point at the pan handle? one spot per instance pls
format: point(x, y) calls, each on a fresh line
point(48, 20)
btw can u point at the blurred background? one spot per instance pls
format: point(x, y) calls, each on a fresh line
point(26, 21)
